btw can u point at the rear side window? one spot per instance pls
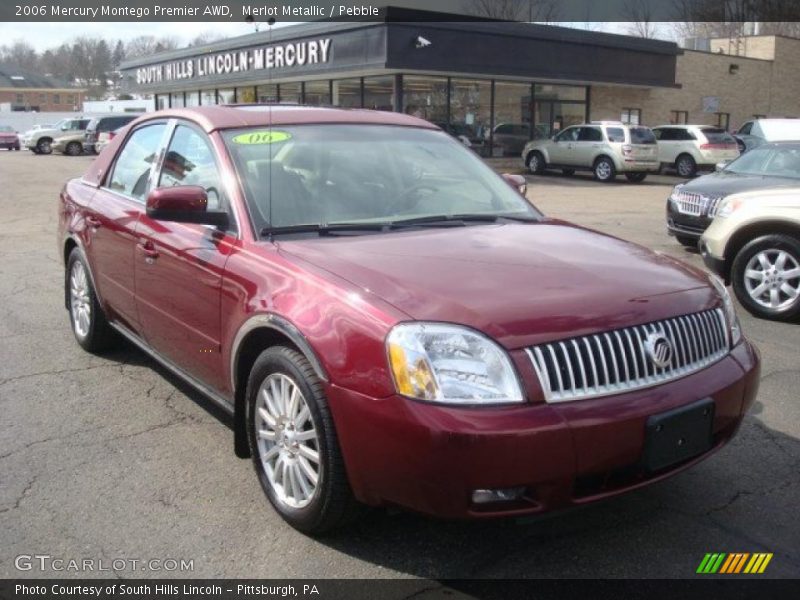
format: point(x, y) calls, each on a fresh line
point(131, 172)
point(590, 134)
point(745, 129)
point(642, 135)
point(615, 134)
point(718, 136)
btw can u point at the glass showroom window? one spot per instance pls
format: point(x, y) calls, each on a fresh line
point(267, 93)
point(318, 93)
point(291, 92)
point(193, 98)
point(208, 97)
point(246, 95)
point(425, 97)
point(226, 96)
point(176, 100)
point(512, 117)
point(347, 93)
point(379, 93)
point(471, 111)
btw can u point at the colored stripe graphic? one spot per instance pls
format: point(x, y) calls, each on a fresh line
point(734, 563)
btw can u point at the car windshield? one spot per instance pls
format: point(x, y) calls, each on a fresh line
point(773, 162)
point(323, 175)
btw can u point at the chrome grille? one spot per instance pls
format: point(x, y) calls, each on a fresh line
point(617, 361)
point(697, 205)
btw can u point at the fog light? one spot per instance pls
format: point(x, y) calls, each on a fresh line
point(499, 495)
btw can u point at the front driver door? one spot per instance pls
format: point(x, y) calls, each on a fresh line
point(561, 149)
point(179, 265)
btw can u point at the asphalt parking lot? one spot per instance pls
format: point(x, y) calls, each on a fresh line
point(111, 458)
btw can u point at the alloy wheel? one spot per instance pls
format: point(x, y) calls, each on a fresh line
point(772, 278)
point(603, 170)
point(288, 444)
point(80, 299)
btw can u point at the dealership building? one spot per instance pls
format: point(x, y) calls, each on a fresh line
point(477, 75)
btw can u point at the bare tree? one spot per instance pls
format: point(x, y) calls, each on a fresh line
point(545, 11)
point(640, 14)
point(145, 45)
point(204, 38)
point(21, 55)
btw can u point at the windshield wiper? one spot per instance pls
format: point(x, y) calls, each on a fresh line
point(322, 229)
point(456, 220)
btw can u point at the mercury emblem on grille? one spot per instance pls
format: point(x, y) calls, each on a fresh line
point(659, 349)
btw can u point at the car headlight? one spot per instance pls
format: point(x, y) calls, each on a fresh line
point(673, 197)
point(728, 206)
point(730, 311)
point(450, 364)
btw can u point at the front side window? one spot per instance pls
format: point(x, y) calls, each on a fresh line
point(190, 161)
point(131, 172)
point(364, 174)
point(568, 135)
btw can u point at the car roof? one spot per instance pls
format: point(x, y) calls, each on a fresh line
point(780, 144)
point(780, 129)
point(212, 118)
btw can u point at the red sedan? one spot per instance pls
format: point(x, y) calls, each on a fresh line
point(389, 322)
point(9, 138)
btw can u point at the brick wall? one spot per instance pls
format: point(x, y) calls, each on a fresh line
point(43, 100)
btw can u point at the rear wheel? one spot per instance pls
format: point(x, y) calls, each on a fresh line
point(294, 444)
point(604, 170)
point(74, 149)
point(636, 177)
point(536, 164)
point(686, 166)
point(765, 276)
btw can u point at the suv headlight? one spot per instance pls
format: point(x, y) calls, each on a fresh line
point(450, 364)
point(734, 327)
point(728, 206)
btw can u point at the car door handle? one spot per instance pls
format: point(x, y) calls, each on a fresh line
point(93, 222)
point(149, 250)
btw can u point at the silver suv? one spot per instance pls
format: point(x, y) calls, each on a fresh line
point(605, 148)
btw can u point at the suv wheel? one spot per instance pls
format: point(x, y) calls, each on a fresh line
point(536, 164)
point(686, 166)
point(74, 149)
point(766, 276)
point(636, 177)
point(294, 445)
point(604, 170)
point(44, 146)
point(89, 323)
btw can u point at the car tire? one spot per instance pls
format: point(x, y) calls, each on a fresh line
point(765, 276)
point(44, 146)
point(568, 172)
point(88, 321)
point(686, 242)
point(74, 149)
point(636, 177)
point(289, 425)
point(536, 163)
point(604, 170)
point(17, 148)
point(686, 166)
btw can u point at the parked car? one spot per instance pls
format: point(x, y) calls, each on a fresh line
point(465, 134)
point(754, 243)
point(389, 322)
point(692, 205)
point(42, 139)
point(690, 148)
point(99, 129)
point(71, 144)
point(605, 148)
point(104, 140)
point(512, 137)
point(9, 138)
point(760, 131)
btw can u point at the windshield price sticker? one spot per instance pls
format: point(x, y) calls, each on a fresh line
point(261, 137)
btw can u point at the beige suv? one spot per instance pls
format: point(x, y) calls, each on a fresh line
point(690, 148)
point(605, 148)
point(754, 244)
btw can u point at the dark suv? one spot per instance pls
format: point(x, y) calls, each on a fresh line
point(100, 127)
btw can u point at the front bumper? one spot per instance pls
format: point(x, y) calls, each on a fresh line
point(431, 458)
point(683, 225)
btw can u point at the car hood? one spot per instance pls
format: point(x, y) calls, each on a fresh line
point(723, 183)
point(522, 284)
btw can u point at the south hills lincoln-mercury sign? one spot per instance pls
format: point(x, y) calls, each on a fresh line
point(240, 61)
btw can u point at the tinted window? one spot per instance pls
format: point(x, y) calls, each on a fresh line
point(615, 134)
point(776, 162)
point(686, 135)
point(642, 135)
point(504, 129)
point(745, 129)
point(664, 135)
point(190, 161)
point(590, 134)
point(132, 168)
point(718, 136)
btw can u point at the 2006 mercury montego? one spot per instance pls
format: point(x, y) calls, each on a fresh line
point(389, 322)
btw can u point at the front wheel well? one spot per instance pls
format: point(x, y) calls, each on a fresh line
point(249, 350)
point(751, 232)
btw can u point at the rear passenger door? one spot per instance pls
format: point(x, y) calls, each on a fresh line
point(590, 140)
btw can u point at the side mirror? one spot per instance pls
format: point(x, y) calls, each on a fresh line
point(183, 204)
point(517, 182)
